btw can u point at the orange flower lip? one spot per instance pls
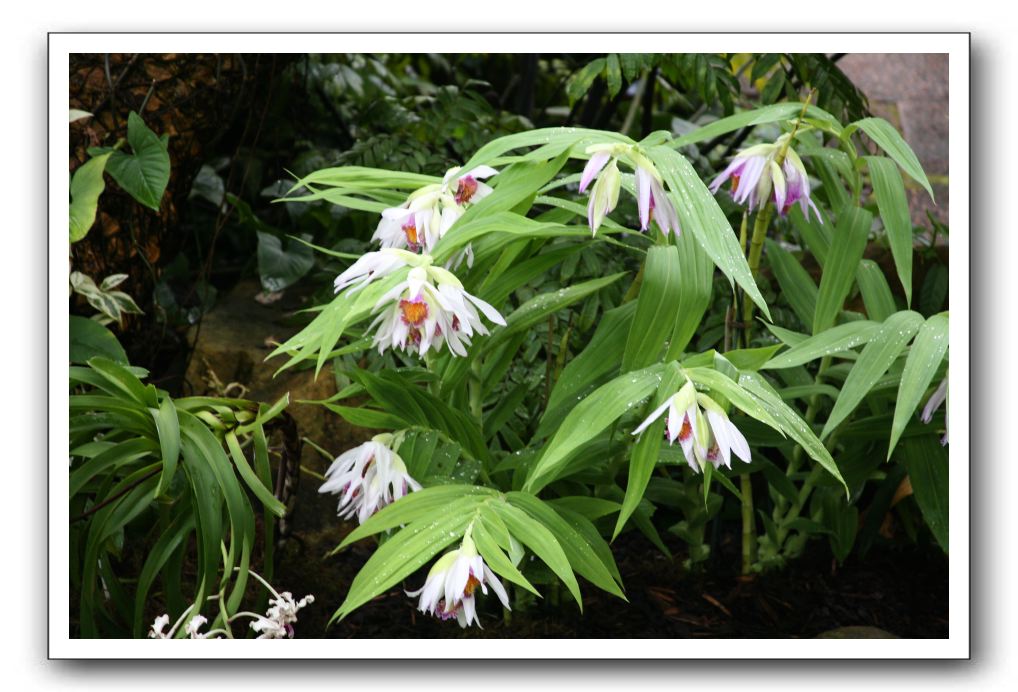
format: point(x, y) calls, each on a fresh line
point(414, 311)
point(410, 230)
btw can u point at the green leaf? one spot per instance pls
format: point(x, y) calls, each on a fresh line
point(168, 542)
point(827, 343)
point(551, 141)
point(700, 214)
point(280, 267)
point(888, 139)
point(260, 490)
point(655, 308)
point(503, 223)
point(533, 534)
point(89, 339)
point(842, 520)
point(889, 190)
point(882, 350)
point(145, 172)
point(839, 269)
point(742, 399)
point(791, 423)
point(494, 557)
point(418, 506)
point(797, 286)
point(751, 358)
point(404, 553)
point(924, 358)
point(539, 307)
point(324, 332)
point(416, 406)
point(589, 418)
point(581, 80)
point(600, 358)
point(86, 185)
point(758, 116)
point(119, 381)
point(876, 293)
point(168, 428)
point(927, 464)
point(613, 74)
point(696, 280)
point(585, 549)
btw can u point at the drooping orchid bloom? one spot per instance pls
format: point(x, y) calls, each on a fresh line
point(651, 199)
point(702, 428)
point(368, 477)
point(755, 175)
point(428, 310)
point(449, 588)
point(429, 212)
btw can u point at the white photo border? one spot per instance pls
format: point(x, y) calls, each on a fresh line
point(956, 45)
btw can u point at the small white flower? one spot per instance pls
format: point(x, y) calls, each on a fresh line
point(705, 435)
point(368, 478)
point(282, 613)
point(936, 399)
point(429, 309)
point(267, 628)
point(195, 624)
point(156, 631)
point(448, 590)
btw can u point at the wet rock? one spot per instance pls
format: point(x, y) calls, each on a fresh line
point(857, 632)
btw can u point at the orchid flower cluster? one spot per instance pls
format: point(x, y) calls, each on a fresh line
point(429, 212)
point(276, 623)
point(369, 477)
point(448, 590)
point(702, 428)
point(651, 199)
point(755, 173)
point(427, 310)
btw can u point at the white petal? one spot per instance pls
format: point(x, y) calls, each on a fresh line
point(655, 414)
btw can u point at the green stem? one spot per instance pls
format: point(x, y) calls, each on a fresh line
point(634, 105)
point(763, 220)
point(748, 524)
point(475, 390)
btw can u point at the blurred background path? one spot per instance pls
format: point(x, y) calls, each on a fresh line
point(911, 91)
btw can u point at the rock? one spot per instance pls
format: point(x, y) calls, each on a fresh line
point(857, 632)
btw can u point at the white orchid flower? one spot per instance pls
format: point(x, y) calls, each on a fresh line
point(429, 212)
point(702, 428)
point(651, 199)
point(429, 309)
point(448, 590)
point(367, 478)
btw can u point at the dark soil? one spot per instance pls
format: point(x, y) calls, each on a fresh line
point(899, 589)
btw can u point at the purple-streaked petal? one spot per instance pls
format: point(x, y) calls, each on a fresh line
point(593, 167)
